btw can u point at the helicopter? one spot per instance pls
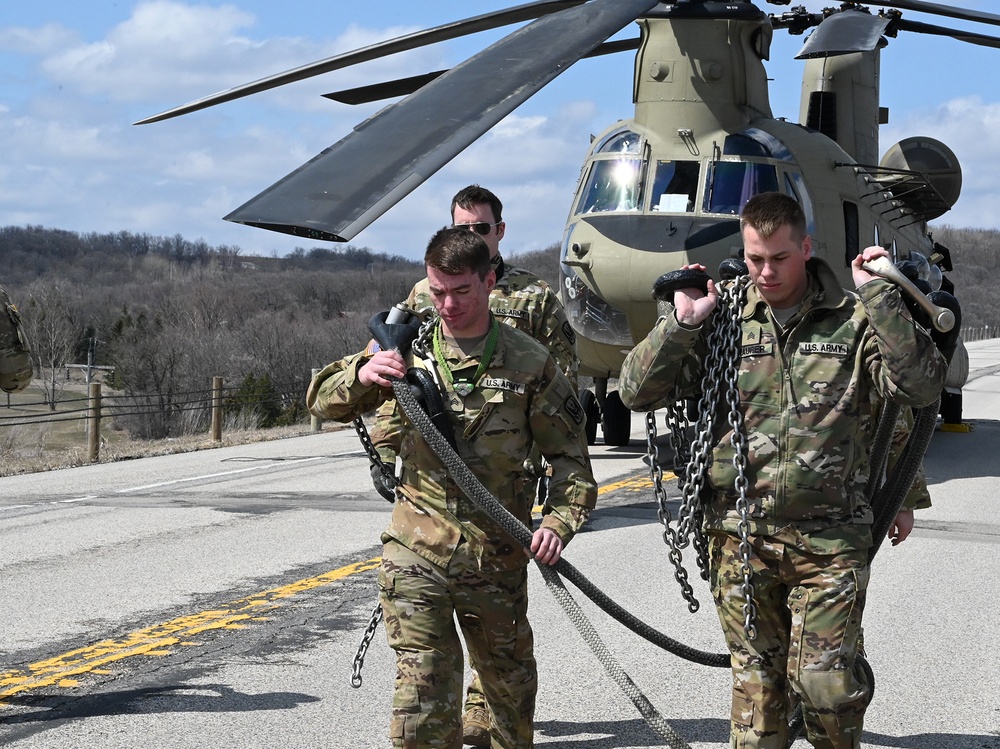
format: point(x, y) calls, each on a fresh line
point(665, 187)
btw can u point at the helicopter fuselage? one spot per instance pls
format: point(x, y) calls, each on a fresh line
point(665, 188)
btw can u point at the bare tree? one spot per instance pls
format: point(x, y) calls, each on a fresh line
point(53, 332)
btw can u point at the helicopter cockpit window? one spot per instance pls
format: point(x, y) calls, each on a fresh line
point(613, 185)
point(796, 187)
point(732, 183)
point(674, 186)
point(753, 142)
point(622, 142)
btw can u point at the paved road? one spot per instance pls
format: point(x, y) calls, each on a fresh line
point(217, 599)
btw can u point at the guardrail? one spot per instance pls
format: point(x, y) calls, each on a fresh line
point(980, 332)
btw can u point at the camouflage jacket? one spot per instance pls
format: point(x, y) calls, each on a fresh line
point(523, 399)
point(810, 395)
point(521, 300)
point(526, 302)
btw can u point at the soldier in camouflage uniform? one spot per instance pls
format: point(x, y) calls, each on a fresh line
point(817, 365)
point(443, 558)
point(520, 299)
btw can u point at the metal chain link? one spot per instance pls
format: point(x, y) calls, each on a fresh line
point(366, 640)
point(421, 347)
point(389, 474)
point(720, 377)
point(670, 534)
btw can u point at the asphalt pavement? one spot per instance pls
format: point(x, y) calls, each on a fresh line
point(218, 599)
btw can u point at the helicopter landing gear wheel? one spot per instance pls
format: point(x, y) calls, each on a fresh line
point(617, 420)
point(593, 413)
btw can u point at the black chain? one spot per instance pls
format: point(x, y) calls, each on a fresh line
point(719, 383)
point(366, 641)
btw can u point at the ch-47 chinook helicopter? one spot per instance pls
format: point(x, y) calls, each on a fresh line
point(661, 189)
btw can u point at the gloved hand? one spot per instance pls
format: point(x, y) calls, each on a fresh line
point(384, 485)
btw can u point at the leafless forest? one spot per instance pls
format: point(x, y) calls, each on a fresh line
point(166, 315)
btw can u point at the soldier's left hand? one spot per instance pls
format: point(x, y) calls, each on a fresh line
point(546, 546)
point(861, 276)
point(901, 527)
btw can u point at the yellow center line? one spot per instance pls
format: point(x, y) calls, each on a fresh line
point(158, 639)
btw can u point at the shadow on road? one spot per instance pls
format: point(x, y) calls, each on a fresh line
point(39, 712)
point(634, 734)
point(958, 455)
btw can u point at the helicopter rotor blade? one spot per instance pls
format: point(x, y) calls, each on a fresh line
point(948, 11)
point(404, 86)
point(843, 33)
point(484, 22)
point(343, 189)
point(982, 40)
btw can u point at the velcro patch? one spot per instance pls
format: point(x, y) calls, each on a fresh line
point(833, 349)
point(757, 349)
point(574, 409)
point(502, 383)
point(568, 333)
point(521, 314)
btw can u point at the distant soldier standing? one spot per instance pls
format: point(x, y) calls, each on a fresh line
point(15, 356)
point(817, 365)
point(520, 299)
point(443, 558)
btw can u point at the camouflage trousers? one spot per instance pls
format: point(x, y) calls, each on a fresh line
point(808, 624)
point(420, 604)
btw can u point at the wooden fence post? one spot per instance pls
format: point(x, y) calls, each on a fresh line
point(315, 421)
point(94, 423)
point(217, 409)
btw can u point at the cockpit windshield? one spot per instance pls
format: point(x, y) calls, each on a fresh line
point(614, 185)
point(675, 186)
point(732, 183)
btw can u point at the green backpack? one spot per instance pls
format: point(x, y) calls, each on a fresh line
point(15, 356)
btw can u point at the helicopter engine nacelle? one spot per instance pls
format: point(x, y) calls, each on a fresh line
point(932, 160)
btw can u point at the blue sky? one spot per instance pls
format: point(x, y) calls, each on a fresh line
point(74, 76)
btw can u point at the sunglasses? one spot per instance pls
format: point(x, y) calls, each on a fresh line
point(480, 227)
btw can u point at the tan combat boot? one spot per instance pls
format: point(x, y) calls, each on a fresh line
point(476, 727)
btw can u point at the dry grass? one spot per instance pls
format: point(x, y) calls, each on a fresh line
point(36, 447)
point(33, 458)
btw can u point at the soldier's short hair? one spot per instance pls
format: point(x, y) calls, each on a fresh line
point(455, 250)
point(769, 211)
point(474, 195)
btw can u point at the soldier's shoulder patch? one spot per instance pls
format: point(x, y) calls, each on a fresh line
point(372, 348)
point(574, 409)
point(568, 333)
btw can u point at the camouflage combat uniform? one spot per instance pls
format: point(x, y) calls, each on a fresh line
point(520, 299)
point(444, 557)
point(810, 395)
point(526, 302)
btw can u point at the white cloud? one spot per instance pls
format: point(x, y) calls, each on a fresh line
point(43, 40)
point(971, 128)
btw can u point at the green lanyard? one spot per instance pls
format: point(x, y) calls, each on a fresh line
point(464, 387)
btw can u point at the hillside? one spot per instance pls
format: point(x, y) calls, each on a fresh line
point(165, 315)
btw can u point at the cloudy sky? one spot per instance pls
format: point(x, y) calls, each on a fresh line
point(74, 77)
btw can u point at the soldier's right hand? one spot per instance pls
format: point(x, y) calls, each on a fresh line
point(384, 485)
point(691, 306)
point(381, 368)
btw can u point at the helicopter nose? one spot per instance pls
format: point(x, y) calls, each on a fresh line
point(650, 232)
